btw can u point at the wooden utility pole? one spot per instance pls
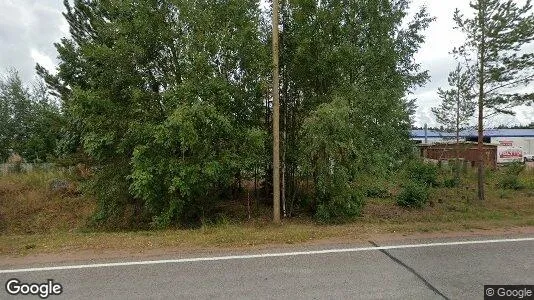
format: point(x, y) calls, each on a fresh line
point(482, 56)
point(276, 118)
point(457, 175)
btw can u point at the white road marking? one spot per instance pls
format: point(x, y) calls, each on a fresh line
point(264, 255)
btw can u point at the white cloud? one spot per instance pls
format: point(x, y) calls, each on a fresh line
point(525, 114)
point(435, 56)
point(28, 29)
point(43, 59)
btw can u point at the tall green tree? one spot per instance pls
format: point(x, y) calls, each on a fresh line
point(495, 40)
point(458, 104)
point(360, 52)
point(166, 98)
point(29, 120)
point(213, 138)
point(16, 113)
point(46, 122)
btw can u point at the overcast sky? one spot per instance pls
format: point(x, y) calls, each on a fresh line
point(28, 29)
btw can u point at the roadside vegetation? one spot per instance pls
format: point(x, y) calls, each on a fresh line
point(45, 211)
point(168, 103)
point(159, 119)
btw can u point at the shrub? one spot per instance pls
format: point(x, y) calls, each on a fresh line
point(373, 186)
point(189, 163)
point(514, 169)
point(509, 182)
point(510, 179)
point(451, 182)
point(458, 166)
point(376, 191)
point(413, 194)
point(340, 207)
point(426, 174)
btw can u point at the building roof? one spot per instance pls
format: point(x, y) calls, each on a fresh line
point(420, 133)
point(508, 132)
point(452, 144)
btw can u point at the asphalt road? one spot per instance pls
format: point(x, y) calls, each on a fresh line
point(450, 271)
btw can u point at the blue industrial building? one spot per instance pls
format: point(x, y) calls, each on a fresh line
point(523, 138)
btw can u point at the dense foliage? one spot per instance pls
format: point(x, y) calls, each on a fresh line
point(29, 120)
point(171, 100)
point(346, 72)
point(418, 178)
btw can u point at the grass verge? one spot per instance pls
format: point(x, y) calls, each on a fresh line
point(36, 220)
point(231, 236)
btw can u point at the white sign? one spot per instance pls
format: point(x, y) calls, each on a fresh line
point(509, 154)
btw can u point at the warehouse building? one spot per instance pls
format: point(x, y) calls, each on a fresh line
point(522, 138)
point(428, 136)
point(512, 144)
